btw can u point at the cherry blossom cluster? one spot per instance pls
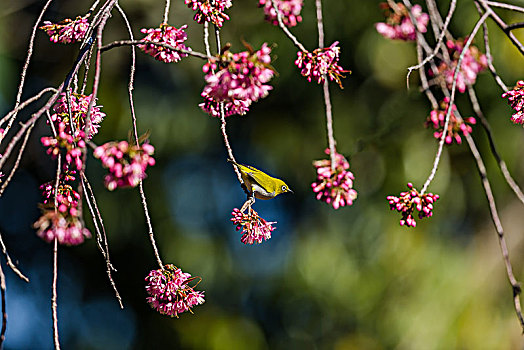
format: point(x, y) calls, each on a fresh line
point(410, 200)
point(210, 10)
point(516, 100)
point(289, 11)
point(254, 228)
point(165, 34)
point(76, 111)
point(237, 79)
point(437, 119)
point(212, 107)
point(398, 23)
point(334, 185)
point(67, 31)
point(321, 62)
point(472, 64)
point(169, 291)
point(65, 141)
point(61, 218)
point(127, 163)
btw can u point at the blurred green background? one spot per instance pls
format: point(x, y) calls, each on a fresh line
point(346, 279)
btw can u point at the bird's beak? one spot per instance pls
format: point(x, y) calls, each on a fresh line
point(289, 190)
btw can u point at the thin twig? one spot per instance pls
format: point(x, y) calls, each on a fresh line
point(439, 41)
point(505, 6)
point(424, 80)
point(498, 226)
point(503, 25)
point(23, 128)
point(17, 162)
point(10, 262)
point(206, 39)
point(135, 132)
point(101, 234)
point(325, 90)
point(54, 297)
point(452, 101)
point(502, 165)
point(222, 110)
point(166, 11)
point(285, 29)
point(26, 63)
point(320, 24)
point(489, 57)
point(119, 43)
point(26, 103)
point(514, 26)
point(4, 309)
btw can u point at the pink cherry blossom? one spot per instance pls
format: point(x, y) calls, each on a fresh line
point(472, 64)
point(289, 10)
point(516, 100)
point(169, 291)
point(437, 119)
point(254, 228)
point(79, 106)
point(410, 201)
point(320, 63)
point(334, 187)
point(67, 31)
point(210, 10)
point(127, 163)
point(212, 107)
point(238, 78)
point(398, 23)
point(73, 146)
point(67, 229)
point(167, 35)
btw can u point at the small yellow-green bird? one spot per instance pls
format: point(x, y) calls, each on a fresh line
point(259, 183)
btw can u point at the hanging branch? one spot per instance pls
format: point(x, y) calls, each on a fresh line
point(451, 102)
point(498, 226)
point(503, 25)
point(439, 41)
point(26, 65)
point(54, 297)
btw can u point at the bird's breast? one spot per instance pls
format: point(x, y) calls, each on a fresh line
point(261, 192)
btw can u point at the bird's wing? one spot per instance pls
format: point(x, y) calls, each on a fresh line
point(257, 176)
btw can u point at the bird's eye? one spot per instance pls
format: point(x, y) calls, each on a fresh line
point(284, 188)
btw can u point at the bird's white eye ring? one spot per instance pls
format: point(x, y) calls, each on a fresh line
point(284, 187)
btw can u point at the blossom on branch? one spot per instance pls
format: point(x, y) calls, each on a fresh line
point(334, 186)
point(165, 34)
point(66, 197)
point(289, 10)
point(67, 31)
point(254, 228)
point(238, 79)
point(127, 163)
point(472, 64)
point(410, 200)
point(212, 107)
point(169, 291)
point(209, 10)
point(516, 100)
point(72, 145)
point(398, 22)
point(437, 119)
point(68, 230)
point(79, 106)
point(321, 62)
point(61, 217)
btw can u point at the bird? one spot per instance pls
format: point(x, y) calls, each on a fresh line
point(260, 184)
